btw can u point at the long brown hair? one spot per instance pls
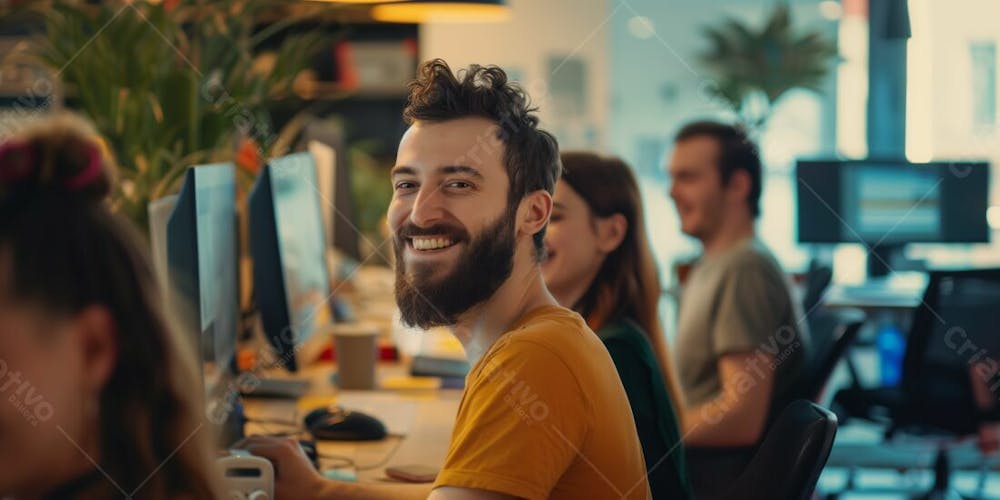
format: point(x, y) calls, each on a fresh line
point(69, 251)
point(628, 283)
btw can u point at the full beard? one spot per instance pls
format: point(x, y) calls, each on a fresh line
point(486, 263)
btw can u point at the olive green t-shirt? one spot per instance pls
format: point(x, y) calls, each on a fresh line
point(738, 302)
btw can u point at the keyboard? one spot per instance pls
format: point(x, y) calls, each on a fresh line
point(275, 388)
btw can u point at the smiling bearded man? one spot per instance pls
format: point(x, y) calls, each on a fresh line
point(544, 414)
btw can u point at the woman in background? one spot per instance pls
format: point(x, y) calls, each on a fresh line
point(599, 263)
point(102, 395)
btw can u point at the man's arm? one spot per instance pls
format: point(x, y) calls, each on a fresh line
point(737, 416)
point(350, 491)
point(295, 478)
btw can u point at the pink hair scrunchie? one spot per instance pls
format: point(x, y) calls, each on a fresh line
point(89, 173)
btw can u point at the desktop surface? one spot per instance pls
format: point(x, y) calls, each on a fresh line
point(895, 291)
point(421, 417)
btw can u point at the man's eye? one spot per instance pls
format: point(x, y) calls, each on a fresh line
point(459, 184)
point(405, 185)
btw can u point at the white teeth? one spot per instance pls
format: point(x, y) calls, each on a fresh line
point(431, 243)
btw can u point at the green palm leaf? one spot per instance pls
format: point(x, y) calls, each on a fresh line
point(142, 74)
point(753, 68)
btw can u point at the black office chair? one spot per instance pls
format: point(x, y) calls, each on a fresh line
point(818, 278)
point(791, 456)
point(831, 333)
point(955, 325)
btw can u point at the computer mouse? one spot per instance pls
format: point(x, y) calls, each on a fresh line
point(309, 448)
point(339, 424)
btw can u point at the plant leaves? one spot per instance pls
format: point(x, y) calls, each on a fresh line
point(745, 62)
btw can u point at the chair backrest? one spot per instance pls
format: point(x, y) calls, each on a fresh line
point(791, 456)
point(830, 334)
point(956, 325)
point(817, 280)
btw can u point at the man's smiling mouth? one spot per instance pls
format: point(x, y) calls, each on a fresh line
point(428, 243)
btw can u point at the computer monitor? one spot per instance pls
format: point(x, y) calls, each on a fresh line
point(325, 140)
point(886, 204)
point(892, 202)
point(159, 212)
point(201, 254)
point(291, 280)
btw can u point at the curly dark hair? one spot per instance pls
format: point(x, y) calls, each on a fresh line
point(531, 155)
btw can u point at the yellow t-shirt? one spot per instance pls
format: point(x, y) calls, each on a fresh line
point(544, 415)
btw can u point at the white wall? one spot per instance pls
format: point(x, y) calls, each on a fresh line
point(537, 31)
point(941, 101)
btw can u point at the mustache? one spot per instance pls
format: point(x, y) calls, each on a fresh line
point(409, 230)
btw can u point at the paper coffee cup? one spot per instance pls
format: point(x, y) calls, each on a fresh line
point(357, 353)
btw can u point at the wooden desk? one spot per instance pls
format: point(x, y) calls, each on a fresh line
point(430, 414)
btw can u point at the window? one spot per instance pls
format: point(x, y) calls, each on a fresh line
point(984, 84)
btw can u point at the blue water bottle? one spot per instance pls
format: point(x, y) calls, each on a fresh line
point(891, 345)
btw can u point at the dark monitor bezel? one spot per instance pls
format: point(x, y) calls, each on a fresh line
point(822, 197)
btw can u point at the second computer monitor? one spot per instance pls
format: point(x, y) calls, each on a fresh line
point(291, 281)
point(892, 202)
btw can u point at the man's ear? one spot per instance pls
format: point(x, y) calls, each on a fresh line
point(534, 212)
point(611, 232)
point(97, 337)
point(738, 187)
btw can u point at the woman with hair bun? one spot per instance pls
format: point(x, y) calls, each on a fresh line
point(101, 395)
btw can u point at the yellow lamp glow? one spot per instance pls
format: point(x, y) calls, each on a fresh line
point(442, 12)
point(357, 2)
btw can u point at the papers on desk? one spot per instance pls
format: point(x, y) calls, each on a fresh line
point(437, 342)
point(899, 290)
point(396, 413)
point(409, 382)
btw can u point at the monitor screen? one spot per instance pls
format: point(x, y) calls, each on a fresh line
point(291, 287)
point(218, 279)
point(202, 260)
point(884, 200)
point(301, 242)
point(892, 202)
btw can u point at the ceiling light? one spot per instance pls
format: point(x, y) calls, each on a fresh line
point(447, 11)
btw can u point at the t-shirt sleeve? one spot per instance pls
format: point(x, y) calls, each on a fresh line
point(523, 420)
point(752, 304)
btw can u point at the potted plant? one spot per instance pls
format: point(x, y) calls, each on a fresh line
point(751, 69)
point(175, 83)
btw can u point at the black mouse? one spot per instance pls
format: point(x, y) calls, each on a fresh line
point(339, 424)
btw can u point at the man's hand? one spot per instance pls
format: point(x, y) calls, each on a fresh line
point(296, 479)
point(294, 475)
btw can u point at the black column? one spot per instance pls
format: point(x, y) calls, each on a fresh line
point(889, 28)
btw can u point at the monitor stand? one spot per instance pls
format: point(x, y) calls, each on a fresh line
point(889, 258)
point(880, 258)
